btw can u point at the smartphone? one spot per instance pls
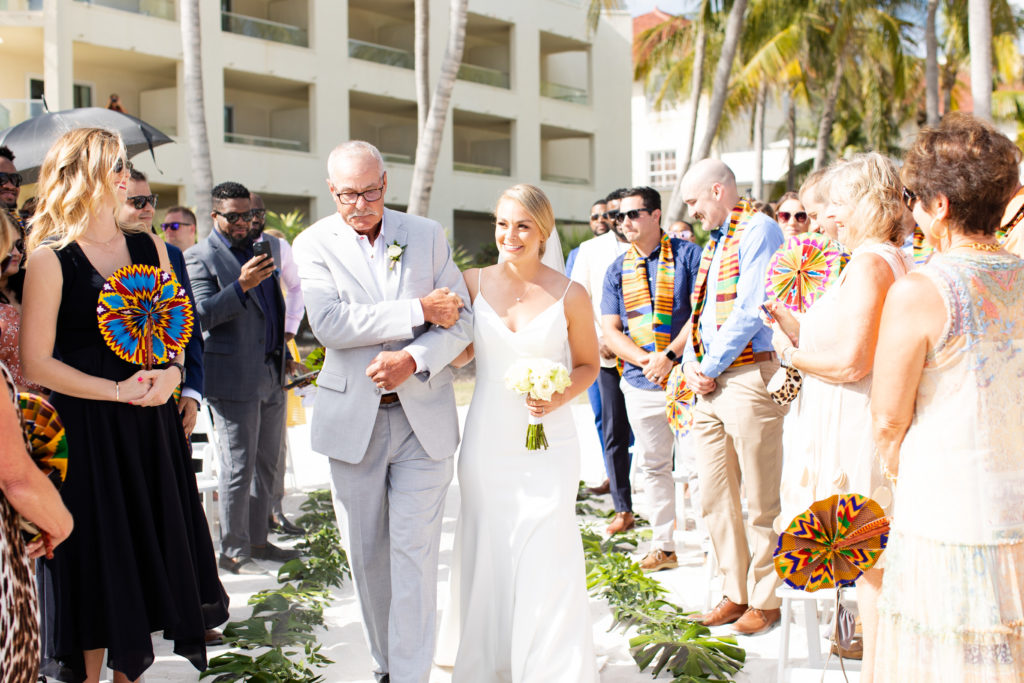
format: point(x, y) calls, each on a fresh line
point(301, 380)
point(261, 248)
point(768, 314)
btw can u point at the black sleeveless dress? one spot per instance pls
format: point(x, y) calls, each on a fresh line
point(140, 558)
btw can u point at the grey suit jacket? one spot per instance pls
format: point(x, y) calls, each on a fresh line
point(233, 331)
point(355, 322)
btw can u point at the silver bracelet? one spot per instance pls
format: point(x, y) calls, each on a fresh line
point(786, 359)
point(117, 392)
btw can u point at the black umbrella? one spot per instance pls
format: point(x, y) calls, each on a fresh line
point(30, 140)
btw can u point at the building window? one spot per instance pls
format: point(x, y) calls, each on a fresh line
point(229, 118)
point(662, 168)
point(82, 95)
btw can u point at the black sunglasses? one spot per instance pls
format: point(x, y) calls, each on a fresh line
point(173, 226)
point(799, 216)
point(610, 215)
point(18, 245)
point(259, 213)
point(10, 179)
point(120, 165)
point(233, 217)
point(909, 198)
point(597, 216)
point(140, 201)
point(632, 214)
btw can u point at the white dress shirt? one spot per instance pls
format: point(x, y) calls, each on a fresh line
point(592, 261)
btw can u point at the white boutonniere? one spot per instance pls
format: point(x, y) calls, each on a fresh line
point(395, 251)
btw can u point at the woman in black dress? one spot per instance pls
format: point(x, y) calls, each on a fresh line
point(140, 559)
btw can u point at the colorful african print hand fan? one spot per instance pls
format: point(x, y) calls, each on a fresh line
point(922, 250)
point(144, 315)
point(831, 543)
point(44, 431)
point(679, 400)
point(803, 268)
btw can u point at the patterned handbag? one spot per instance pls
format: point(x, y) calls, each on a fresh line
point(785, 385)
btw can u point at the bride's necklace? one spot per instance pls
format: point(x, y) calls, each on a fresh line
point(980, 246)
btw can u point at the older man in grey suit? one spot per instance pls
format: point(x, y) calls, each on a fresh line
point(387, 302)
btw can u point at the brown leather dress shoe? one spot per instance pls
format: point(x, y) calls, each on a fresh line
point(624, 521)
point(757, 621)
point(724, 612)
point(602, 489)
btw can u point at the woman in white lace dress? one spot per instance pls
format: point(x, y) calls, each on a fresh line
point(833, 346)
point(947, 410)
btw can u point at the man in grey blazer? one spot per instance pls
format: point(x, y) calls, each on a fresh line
point(387, 302)
point(241, 310)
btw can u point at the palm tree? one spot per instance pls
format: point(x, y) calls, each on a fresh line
point(429, 143)
point(931, 78)
point(723, 75)
point(979, 23)
point(421, 48)
point(195, 113)
point(595, 8)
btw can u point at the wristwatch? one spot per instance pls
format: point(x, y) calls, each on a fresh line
point(786, 359)
point(181, 369)
point(671, 355)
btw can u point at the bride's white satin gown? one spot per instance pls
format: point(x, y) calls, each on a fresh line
point(519, 611)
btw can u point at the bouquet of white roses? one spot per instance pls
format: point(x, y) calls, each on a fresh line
point(538, 378)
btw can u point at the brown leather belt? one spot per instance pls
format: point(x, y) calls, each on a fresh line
point(762, 356)
point(388, 399)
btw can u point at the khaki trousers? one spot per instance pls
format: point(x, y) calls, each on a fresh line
point(738, 436)
point(652, 445)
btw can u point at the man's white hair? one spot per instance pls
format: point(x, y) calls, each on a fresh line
point(350, 149)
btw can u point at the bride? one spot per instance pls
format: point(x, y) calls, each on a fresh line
point(519, 609)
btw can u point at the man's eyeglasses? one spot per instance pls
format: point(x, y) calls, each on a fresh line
point(259, 213)
point(597, 216)
point(121, 164)
point(233, 217)
point(173, 226)
point(372, 195)
point(610, 215)
point(10, 179)
point(799, 216)
point(632, 214)
point(140, 201)
point(909, 198)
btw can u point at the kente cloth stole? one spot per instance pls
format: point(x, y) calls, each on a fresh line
point(728, 278)
point(649, 323)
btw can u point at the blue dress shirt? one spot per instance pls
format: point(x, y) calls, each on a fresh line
point(761, 239)
point(687, 262)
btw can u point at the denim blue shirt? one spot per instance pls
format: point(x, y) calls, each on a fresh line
point(761, 239)
point(687, 262)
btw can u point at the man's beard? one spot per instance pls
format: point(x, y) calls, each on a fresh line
point(243, 242)
point(256, 232)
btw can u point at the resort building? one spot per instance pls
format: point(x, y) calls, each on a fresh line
point(537, 100)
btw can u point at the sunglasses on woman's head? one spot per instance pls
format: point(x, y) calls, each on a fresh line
point(909, 198)
point(140, 201)
point(799, 216)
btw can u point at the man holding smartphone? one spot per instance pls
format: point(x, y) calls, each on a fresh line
point(241, 310)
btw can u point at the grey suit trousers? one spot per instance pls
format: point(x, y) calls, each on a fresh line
point(251, 436)
point(390, 506)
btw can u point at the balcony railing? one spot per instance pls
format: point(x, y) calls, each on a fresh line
point(483, 74)
point(163, 9)
point(382, 54)
point(469, 167)
point(564, 179)
point(13, 112)
point(563, 92)
point(397, 158)
point(21, 5)
point(264, 29)
point(261, 141)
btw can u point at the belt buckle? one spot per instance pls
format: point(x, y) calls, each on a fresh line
point(389, 399)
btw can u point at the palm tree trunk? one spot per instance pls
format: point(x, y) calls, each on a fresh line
point(195, 114)
point(422, 63)
point(723, 72)
point(758, 189)
point(429, 144)
point(979, 34)
point(791, 154)
point(674, 212)
point(828, 114)
point(931, 64)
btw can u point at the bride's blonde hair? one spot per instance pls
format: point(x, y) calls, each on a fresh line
point(536, 203)
point(75, 180)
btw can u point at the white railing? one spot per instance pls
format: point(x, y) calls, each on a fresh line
point(469, 167)
point(566, 93)
point(483, 74)
point(382, 54)
point(262, 141)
